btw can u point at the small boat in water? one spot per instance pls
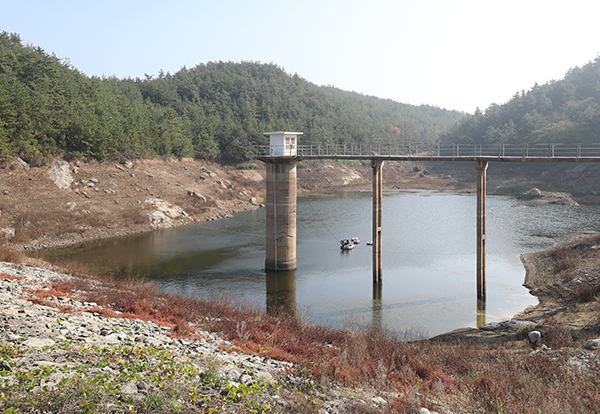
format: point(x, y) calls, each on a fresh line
point(346, 244)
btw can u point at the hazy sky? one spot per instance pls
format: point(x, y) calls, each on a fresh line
point(457, 54)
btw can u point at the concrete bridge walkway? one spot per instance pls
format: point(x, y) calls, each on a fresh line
point(283, 154)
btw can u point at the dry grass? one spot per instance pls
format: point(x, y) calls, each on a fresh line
point(557, 336)
point(41, 214)
point(586, 291)
point(565, 258)
point(8, 254)
point(193, 205)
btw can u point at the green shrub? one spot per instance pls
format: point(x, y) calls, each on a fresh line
point(247, 166)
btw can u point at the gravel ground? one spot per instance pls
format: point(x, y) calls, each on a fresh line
point(51, 348)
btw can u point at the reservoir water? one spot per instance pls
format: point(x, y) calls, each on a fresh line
point(429, 246)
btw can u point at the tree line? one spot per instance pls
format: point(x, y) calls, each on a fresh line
point(215, 110)
point(560, 111)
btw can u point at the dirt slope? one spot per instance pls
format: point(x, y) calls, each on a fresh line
point(67, 203)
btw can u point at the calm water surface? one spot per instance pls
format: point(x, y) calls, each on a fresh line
point(429, 258)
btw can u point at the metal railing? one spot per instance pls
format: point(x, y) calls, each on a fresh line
point(442, 151)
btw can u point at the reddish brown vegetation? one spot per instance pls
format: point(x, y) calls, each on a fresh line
point(461, 375)
point(57, 289)
point(9, 277)
point(586, 291)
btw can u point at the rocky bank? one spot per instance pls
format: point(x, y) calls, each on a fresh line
point(49, 348)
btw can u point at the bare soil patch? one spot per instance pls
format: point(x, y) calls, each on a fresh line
point(41, 209)
point(110, 199)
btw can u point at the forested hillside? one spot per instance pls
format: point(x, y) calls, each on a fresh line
point(565, 111)
point(214, 110)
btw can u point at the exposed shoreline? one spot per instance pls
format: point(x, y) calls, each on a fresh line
point(443, 377)
point(127, 197)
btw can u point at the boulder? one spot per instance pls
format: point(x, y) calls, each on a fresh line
point(7, 232)
point(196, 195)
point(60, 174)
point(534, 192)
point(38, 342)
point(164, 213)
point(22, 163)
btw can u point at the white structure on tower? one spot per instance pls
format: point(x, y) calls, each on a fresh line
point(283, 144)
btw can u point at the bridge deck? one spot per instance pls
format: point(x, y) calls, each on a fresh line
point(475, 152)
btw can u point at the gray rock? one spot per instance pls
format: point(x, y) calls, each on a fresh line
point(129, 388)
point(38, 342)
point(592, 344)
point(510, 325)
point(246, 379)
point(535, 338)
point(60, 174)
point(534, 192)
point(579, 365)
point(22, 163)
point(7, 232)
point(196, 195)
point(379, 401)
point(265, 376)
point(52, 380)
point(112, 339)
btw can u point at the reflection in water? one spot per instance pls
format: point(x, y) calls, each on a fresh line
point(429, 255)
point(281, 293)
point(480, 312)
point(377, 306)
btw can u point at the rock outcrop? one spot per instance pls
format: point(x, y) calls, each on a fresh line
point(60, 174)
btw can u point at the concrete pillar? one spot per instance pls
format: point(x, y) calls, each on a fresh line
point(377, 166)
point(281, 214)
point(481, 194)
